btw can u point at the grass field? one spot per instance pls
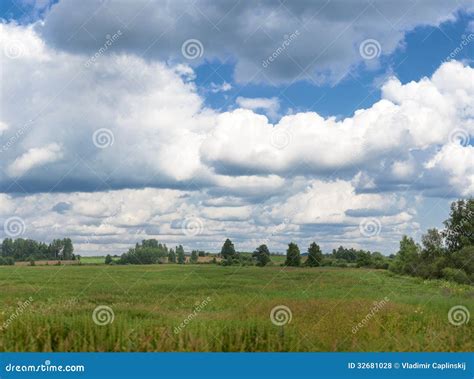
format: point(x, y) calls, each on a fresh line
point(93, 260)
point(151, 302)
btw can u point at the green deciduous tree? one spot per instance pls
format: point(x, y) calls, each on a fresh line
point(148, 252)
point(171, 256)
point(315, 255)
point(228, 250)
point(432, 243)
point(194, 257)
point(181, 257)
point(459, 227)
point(28, 249)
point(293, 257)
point(68, 249)
point(262, 255)
point(407, 258)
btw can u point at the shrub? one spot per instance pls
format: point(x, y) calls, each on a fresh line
point(327, 262)
point(380, 265)
point(340, 263)
point(464, 259)
point(455, 275)
point(432, 270)
point(227, 262)
point(6, 261)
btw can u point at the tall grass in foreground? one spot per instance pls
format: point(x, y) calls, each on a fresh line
point(150, 302)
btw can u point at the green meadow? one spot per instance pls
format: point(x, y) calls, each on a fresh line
point(208, 307)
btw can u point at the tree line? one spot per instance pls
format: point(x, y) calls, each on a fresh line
point(447, 254)
point(152, 252)
point(29, 250)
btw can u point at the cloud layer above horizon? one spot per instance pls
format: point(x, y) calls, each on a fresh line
point(110, 147)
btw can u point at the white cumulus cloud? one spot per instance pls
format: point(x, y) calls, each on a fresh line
point(34, 157)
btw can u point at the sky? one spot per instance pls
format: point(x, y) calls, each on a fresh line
point(344, 123)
